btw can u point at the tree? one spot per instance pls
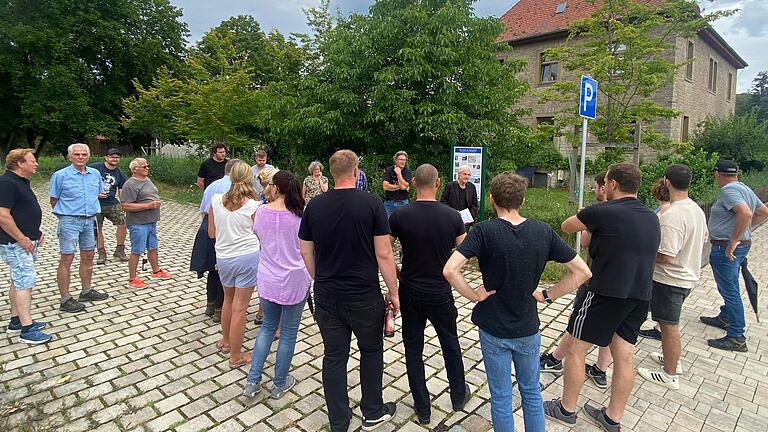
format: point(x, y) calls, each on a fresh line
point(626, 45)
point(414, 75)
point(232, 88)
point(66, 65)
point(757, 98)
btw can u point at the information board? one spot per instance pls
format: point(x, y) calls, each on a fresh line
point(473, 157)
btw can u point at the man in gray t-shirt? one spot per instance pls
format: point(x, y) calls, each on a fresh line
point(141, 202)
point(261, 164)
point(733, 214)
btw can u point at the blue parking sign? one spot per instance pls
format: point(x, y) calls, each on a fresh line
point(588, 98)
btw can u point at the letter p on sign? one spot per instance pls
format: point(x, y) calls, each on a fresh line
point(588, 98)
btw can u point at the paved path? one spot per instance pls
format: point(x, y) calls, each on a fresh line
point(145, 361)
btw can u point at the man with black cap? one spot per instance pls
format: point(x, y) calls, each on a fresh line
point(731, 220)
point(112, 180)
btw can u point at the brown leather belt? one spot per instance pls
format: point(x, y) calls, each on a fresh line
point(725, 242)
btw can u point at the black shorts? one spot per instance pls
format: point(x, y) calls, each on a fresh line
point(596, 318)
point(579, 297)
point(667, 302)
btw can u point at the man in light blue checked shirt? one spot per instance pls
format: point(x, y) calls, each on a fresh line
point(75, 192)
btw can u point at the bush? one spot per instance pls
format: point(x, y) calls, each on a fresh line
point(740, 138)
point(703, 188)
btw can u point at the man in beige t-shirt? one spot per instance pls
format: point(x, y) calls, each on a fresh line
point(678, 268)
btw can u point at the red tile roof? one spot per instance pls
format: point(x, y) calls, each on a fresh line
point(530, 18)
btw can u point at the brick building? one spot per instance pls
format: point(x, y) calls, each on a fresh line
point(705, 87)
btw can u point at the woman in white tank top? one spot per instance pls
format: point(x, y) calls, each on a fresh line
point(230, 222)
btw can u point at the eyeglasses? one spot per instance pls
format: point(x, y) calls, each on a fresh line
point(145, 166)
point(270, 184)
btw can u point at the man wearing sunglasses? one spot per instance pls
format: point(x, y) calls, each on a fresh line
point(141, 202)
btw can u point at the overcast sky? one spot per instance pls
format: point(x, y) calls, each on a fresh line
point(745, 32)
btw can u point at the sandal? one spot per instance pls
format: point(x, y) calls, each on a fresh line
point(244, 360)
point(222, 347)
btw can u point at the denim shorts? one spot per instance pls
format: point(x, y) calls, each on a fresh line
point(143, 237)
point(74, 231)
point(21, 263)
point(240, 271)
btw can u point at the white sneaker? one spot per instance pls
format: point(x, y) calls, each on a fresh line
point(659, 358)
point(660, 377)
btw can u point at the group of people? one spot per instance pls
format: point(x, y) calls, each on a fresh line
point(264, 229)
point(81, 197)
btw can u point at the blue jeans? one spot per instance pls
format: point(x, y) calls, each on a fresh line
point(289, 318)
point(498, 356)
point(727, 273)
point(391, 205)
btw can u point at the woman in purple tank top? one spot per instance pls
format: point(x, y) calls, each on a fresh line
point(283, 282)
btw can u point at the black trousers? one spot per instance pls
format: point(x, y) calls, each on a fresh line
point(213, 289)
point(338, 320)
point(417, 308)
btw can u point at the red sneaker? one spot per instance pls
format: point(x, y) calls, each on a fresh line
point(160, 274)
point(137, 283)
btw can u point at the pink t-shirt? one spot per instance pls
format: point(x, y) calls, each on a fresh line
point(282, 278)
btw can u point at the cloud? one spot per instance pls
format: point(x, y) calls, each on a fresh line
point(753, 17)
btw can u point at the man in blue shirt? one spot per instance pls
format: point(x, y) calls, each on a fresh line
point(733, 215)
point(203, 252)
point(75, 192)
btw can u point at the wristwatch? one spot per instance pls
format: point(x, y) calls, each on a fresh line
point(546, 296)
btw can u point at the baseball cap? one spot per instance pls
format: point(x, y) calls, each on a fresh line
point(726, 167)
point(113, 151)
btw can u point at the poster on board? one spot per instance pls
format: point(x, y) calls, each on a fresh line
point(473, 157)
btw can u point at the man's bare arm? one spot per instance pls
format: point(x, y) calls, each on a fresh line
point(573, 225)
point(578, 273)
point(9, 226)
point(386, 260)
point(307, 249)
point(452, 273)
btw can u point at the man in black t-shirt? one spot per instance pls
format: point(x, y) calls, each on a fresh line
point(112, 180)
point(212, 168)
point(625, 238)
point(344, 237)
point(428, 232)
point(20, 239)
point(512, 252)
point(397, 183)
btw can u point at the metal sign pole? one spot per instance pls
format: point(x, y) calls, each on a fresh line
point(582, 170)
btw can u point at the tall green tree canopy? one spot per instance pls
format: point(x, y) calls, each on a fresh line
point(626, 46)
point(66, 65)
point(412, 74)
point(230, 89)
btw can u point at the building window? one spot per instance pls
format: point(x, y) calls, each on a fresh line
point(689, 59)
point(712, 77)
point(684, 129)
point(729, 87)
point(549, 69)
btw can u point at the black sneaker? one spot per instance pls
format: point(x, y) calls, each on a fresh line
point(389, 409)
point(597, 376)
point(714, 321)
point(553, 410)
point(93, 295)
point(423, 419)
point(651, 333)
point(598, 415)
point(548, 363)
point(729, 343)
point(467, 396)
point(72, 305)
point(209, 308)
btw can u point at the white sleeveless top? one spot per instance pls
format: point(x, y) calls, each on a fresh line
point(234, 229)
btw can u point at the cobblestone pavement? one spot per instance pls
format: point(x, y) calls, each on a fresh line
point(145, 360)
